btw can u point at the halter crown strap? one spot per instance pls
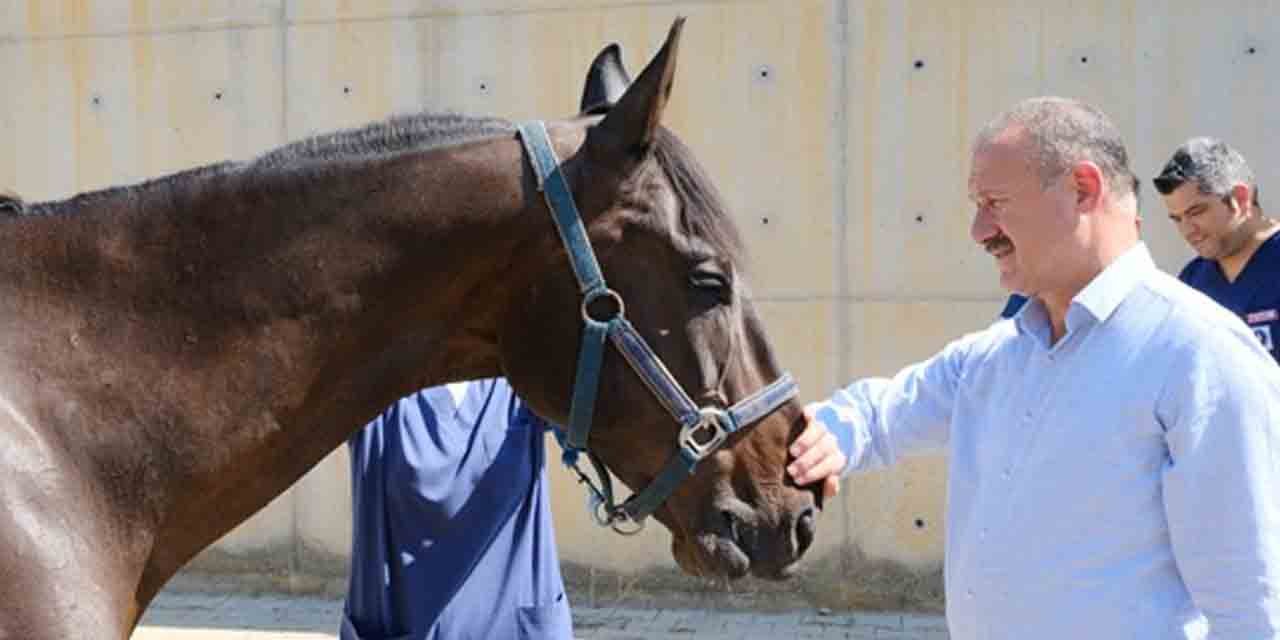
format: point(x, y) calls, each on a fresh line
point(555, 189)
point(559, 198)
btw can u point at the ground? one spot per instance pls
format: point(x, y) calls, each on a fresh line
point(178, 615)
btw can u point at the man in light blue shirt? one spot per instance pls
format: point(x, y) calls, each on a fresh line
point(1114, 450)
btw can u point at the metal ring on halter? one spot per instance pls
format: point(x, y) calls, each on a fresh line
point(603, 293)
point(612, 517)
point(599, 510)
point(620, 524)
point(695, 437)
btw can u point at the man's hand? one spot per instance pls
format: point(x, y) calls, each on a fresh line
point(817, 455)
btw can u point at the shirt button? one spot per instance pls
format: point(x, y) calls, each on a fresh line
point(982, 535)
point(1007, 474)
point(969, 593)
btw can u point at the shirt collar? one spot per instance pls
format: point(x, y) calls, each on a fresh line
point(1108, 289)
point(1098, 300)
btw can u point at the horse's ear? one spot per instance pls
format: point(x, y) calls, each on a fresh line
point(606, 81)
point(627, 131)
point(10, 203)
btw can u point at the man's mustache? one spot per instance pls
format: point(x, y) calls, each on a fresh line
point(997, 243)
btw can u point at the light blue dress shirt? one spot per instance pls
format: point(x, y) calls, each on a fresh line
point(1121, 483)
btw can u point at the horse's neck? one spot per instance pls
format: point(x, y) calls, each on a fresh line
point(234, 343)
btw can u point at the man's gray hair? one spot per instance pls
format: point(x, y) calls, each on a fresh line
point(1211, 164)
point(1062, 132)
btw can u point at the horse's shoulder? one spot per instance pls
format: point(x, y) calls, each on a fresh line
point(48, 542)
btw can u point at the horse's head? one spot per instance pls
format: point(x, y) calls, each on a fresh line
point(669, 248)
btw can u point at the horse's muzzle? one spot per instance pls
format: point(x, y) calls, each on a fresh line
point(766, 543)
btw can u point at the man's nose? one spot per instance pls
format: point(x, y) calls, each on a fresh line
point(983, 227)
point(1186, 228)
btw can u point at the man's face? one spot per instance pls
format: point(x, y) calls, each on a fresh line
point(1207, 222)
point(1018, 221)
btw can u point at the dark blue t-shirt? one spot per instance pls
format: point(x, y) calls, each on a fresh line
point(1013, 305)
point(1255, 294)
point(452, 523)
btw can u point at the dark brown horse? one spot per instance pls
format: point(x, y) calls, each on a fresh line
point(175, 354)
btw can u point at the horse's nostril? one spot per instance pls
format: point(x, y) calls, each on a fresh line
point(806, 525)
point(730, 526)
point(738, 531)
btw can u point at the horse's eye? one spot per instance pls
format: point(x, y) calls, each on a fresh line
point(708, 280)
point(711, 283)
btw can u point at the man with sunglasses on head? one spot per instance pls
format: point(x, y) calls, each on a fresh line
point(1212, 197)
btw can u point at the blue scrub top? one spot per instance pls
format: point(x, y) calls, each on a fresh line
point(1254, 296)
point(452, 522)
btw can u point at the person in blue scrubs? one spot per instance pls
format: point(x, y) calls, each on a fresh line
point(1212, 196)
point(452, 531)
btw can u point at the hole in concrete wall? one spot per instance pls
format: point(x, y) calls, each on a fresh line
point(1251, 50)
point(346, 91)
point(919, 523)
point(1084, 59)
point(919, 64)
point(217, 96)
point(764, 220)
point(96, 100)
point(919, 217)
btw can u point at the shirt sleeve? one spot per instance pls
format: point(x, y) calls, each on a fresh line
point(1221, 415)
point(877, 420)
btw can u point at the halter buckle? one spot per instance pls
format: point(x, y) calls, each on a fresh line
point(706, 435)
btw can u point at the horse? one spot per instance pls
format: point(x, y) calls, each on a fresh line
point(176, 353)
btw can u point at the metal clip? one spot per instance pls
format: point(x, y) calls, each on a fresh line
point(598, 510)
point(624, 525)
point(707, 434)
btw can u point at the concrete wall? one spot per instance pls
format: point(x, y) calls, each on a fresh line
point(837, 129)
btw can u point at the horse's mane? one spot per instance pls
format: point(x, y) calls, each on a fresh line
point(704, 214)
point(417, 132)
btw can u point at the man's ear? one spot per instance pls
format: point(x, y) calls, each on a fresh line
point(1241, 198)
point(1089, 184)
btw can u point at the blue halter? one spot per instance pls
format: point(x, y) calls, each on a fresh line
point(702, 430)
